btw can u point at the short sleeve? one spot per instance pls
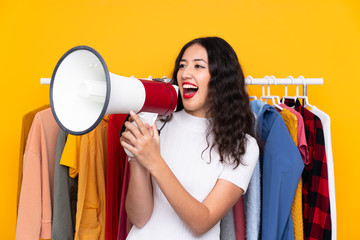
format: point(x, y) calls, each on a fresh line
point(241, 175)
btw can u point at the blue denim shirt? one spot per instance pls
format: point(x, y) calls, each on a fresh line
point(281, 167)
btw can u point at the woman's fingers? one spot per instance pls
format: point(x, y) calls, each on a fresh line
point(149, 128)
point(139, 123)
point(141, 140)
point(128, 137)
point(132, 134)
point(133, 129)
point(128, 147)
point(155, 133)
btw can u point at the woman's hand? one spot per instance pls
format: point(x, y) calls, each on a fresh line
point(143, 142)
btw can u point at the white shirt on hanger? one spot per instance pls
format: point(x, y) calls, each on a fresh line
point(325, 120)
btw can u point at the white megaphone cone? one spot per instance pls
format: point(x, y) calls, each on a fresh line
point(82, 91)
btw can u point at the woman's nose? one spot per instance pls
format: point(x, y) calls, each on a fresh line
point(186, 73)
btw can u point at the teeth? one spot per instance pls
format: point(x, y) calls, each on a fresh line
point(188, 86)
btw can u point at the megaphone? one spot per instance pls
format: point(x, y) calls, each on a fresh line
point(83, 91)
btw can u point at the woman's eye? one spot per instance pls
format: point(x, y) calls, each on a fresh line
point(199, 66)
point(181, 65)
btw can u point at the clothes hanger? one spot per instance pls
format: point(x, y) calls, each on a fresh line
point(253, 97)
point(268, 96)
point(290, 97)
point(305, 98)
point(252, 82)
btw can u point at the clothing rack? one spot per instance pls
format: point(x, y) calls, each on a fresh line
point(271, 80)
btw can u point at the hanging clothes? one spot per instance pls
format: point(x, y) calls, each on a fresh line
point(71, 155)
point(25, 128)
point(325, 120)
point(36, 196)
point(68, 170)
point(114, 176)
point(90, 215)
point(252, 205)
point(227, 227)
point(65, 196)
point(316, 203)
point(297, 209)
point(301, 137)
point(124, 224)
point(239, 219)
point(281, 166)
point(291, 122)
point(232, 225)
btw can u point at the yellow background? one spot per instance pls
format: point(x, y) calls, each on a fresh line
point(141, 38)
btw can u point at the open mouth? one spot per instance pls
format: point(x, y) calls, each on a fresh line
point(189, 90)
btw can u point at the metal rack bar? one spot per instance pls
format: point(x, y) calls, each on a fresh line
point(271, 80)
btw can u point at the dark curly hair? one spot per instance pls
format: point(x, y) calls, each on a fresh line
point(229, 113)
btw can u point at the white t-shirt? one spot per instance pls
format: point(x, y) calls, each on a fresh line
point(182, 142)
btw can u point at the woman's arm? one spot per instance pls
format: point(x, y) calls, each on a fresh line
point(199, 216)
point(139, 199)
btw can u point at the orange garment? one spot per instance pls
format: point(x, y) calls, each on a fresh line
point(25, 128)
point(90, 215)
point(70, 156)
point(296, 209)
point(297, 213)
point(36, 195)
point(291, 123)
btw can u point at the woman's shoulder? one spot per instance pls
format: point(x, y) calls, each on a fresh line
point(252, 149)
point(251, 141)
point(251, 153)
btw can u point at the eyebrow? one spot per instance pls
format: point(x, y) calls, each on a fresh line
point(196, 59)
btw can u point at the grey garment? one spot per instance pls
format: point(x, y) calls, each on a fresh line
point(65, 196)
point(227, 227)
point(252, 205)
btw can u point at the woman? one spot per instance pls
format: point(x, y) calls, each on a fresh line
point(182, 184)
